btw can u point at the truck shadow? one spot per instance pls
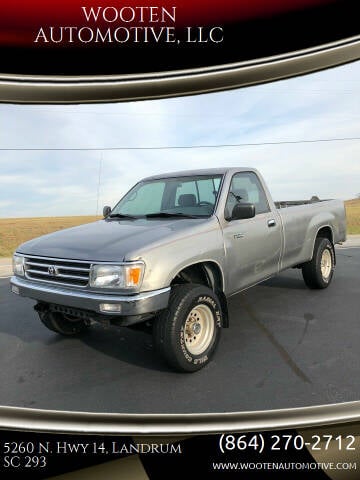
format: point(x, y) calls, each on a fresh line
point(124, 345)
point(283, 281)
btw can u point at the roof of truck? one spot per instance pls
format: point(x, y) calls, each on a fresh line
point(203, 171)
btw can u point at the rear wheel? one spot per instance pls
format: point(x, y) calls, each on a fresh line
point(319, 271)
point(187, 332)
point(66, 325)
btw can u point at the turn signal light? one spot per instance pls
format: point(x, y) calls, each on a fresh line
point(133, 275)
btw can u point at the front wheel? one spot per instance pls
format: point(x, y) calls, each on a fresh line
point(187, 333)
point(319, 271)
point(64, 324)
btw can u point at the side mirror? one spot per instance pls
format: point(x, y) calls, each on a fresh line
point(242, 211)
point(106, 211)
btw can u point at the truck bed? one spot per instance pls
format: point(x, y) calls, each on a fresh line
point(295, 203)
point(302, 220)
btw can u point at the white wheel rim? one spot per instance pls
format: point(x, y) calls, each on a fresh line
point(326, 264)
point(199, 329)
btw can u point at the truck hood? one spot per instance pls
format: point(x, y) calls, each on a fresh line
point(105, 240)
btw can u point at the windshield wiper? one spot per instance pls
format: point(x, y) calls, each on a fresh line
point(168, 214)
point(121, 215)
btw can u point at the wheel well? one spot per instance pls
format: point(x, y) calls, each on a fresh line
point(209, 274)
point(326, 232)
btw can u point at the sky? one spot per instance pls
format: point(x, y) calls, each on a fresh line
point(324, 105)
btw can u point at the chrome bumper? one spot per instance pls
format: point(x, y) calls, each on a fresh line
point(141, 303)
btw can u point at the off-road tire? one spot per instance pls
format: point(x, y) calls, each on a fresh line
point(63, 324)
point(319, 272)
point(192, 308)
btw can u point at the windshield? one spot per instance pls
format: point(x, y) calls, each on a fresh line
point(193, 196)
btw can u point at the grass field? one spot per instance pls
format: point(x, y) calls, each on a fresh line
point(353, 216)
point(14, 231)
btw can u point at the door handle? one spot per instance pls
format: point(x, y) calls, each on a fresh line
point(271, 223)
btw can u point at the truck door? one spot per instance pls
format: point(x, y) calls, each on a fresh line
point(253, 246)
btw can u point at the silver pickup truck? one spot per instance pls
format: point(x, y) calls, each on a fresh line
point(171, 252)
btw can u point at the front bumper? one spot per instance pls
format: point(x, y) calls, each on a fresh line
point(131, 305)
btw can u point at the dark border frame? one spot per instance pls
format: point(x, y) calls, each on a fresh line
point(120, 88)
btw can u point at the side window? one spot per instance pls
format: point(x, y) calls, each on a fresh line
point(246, 187)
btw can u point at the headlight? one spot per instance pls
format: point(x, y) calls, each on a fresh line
point(19, 265)
point(116, 276)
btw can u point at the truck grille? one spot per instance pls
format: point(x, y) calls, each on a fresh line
point(57, 271)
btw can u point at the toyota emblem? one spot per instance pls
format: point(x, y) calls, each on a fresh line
point(52, 271)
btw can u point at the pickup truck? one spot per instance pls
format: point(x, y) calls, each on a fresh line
point(171, 252)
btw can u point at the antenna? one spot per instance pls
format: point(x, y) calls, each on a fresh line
point(99, 183)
